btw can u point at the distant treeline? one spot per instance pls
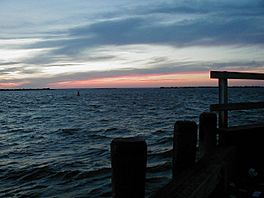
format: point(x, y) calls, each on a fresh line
point(212, 87)
point(26, 89)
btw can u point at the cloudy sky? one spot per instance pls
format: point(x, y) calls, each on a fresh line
point(125, 43)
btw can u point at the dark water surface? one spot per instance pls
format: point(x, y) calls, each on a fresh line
point(56, 144)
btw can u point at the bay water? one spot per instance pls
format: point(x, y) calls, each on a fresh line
point(54, 143)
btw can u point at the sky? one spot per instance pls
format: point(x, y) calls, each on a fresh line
point(125, 43)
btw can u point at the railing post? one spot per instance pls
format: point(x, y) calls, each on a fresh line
point(207, 132)
point(184, 146)
point(223, 99)
point(129, 158)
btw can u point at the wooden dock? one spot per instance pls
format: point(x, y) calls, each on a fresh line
point(231, 162)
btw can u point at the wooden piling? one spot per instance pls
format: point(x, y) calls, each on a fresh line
point(184, 146)
point(207, 132)
point(129, 158)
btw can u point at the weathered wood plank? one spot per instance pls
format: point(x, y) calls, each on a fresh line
point(223, 99)
point(207, 132)
point(200, 180)
point(237, 106)
point(236, 75)
point(248, 140)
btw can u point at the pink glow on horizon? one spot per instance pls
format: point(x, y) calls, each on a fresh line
point(142, 80)
point(179, 79)
point(10, 85)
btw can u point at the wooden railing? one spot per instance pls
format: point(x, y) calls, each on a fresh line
point(219, 162)
point(190, 177)
point(223, 107)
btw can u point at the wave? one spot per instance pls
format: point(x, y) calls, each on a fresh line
point(46, 171)
point(68, 131)
point(27, 174)
point(72, 135)
point(94, 173)
point(163, 154)
point(159, 167)
point(98, 136)
point(111, 129)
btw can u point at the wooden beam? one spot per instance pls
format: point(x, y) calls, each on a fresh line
point(237, 106)
point(223, 99)
point(202, 179)
point(236, 75)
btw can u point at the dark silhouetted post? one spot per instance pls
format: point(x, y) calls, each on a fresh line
point(184, 146)
point(207, 132)
point(129, 159)
point(223, 99)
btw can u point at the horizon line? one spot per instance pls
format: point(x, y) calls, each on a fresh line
point(162, 87)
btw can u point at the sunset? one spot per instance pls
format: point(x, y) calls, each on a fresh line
point(53, 43)
point(131, 98)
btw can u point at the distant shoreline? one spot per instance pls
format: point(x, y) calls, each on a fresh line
point(206, 87)
point(187, 87)
point(27, 89)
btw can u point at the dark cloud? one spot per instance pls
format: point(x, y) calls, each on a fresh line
point(8, 63)
point(212, 31)
point(217, 24)
point(176, 24)
point(11, 67)
point(217, 7)
point(4, 71)
point(8, 67)
point(236, 65)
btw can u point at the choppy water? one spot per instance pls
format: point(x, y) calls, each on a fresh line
point(55, 144)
